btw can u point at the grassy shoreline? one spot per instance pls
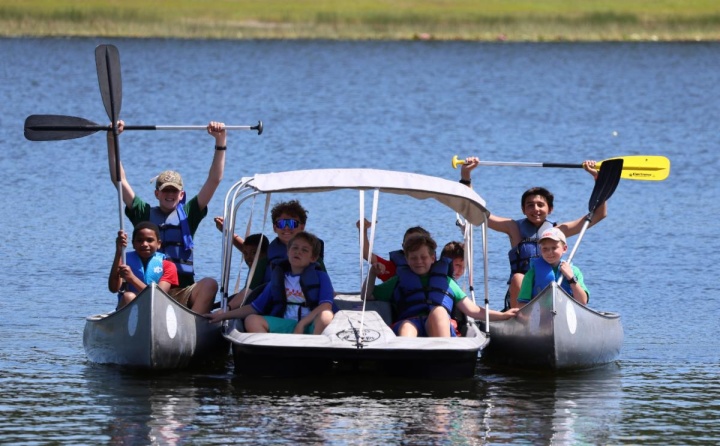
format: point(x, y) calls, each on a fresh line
point(477, 20)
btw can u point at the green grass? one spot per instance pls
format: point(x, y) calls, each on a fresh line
point(523, 20)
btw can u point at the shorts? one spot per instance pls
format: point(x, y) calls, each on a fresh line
point(181, 295)
point(282, 325)
point(419, 324)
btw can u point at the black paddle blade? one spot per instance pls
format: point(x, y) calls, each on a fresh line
point(107, 60)
point(607, 181)
point(58, 127)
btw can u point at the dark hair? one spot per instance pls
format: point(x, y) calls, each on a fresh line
point(312, 240)
point(146, 225)
point(255, 240)
point(549, 197)
point(418, 241)
point(292, 208)
point(453, 250)
point(416, 230)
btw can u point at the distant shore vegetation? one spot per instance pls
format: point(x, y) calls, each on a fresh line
point(481, 20)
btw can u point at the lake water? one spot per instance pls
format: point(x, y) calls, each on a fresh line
point(407, 106)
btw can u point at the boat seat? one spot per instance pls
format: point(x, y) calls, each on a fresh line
point(353, 302)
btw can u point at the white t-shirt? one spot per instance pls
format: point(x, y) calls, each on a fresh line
point(294, 294)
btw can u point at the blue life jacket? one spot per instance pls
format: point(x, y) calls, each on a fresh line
point(544, 274)
point(175, 239)
point(411, 298)
point(277, 252)
point(152, 273)
point(309, 283)
point(521, 255)
point(398, 258)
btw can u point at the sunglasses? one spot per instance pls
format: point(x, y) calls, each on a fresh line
point(289, 223)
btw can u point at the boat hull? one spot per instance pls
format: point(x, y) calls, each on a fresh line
point(342, 348)
point(555, 332)
point(153, 332)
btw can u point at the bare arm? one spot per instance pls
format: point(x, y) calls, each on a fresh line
point(574, 227)
point(471, 309)
point(238, 313)
point(127, 193)
point(237, 240)
point(366, 242)
point(114, 279)
point(499, 224)
point(217, 168)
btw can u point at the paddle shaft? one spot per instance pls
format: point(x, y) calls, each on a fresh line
point(635, 167)
point(605, 185)
point(98, 128)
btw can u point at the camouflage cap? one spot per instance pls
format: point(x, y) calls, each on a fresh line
point(169, 178)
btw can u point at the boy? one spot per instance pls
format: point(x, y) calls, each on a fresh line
point(423, 295)
point(176, 219)
point(547, 268)
point(299, 298)
point(455, 251)
point(536, 204)
point(143, 266)
point(384, 268)
point(289, 218)
point(248, 247)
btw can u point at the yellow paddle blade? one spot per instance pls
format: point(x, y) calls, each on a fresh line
point(643, 167)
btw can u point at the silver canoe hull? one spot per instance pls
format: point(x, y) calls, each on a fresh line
point(153, 332)
point(555, 332)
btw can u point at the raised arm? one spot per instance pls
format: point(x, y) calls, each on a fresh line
point(574, 227)
point(217, 168)
point(114, 279)
point(496, 223)
point(127, 193)
point(237, 240)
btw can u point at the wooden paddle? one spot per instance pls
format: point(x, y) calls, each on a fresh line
point(59, 127)
point(605, 185)
point(107, 60)
point(635, 167)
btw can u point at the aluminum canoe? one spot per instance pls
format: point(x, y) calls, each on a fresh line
point(153, 332)
point(555, 332)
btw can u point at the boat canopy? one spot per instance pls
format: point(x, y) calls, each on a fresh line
point(456, 196)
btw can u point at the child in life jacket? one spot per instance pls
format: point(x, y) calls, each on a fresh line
point(549, 267)
point(423, 295)
point(536, 205)
point(383, 268)
point(249, 247)
point(288, 218)
point(299, 298)
point(143, 266)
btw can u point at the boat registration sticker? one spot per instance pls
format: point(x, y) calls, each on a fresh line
point(571, 316)
point(132, 321)
point(171, 321)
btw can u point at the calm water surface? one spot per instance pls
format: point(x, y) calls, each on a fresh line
point(407, 106)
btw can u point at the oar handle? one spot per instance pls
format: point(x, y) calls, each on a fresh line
point(458, 162)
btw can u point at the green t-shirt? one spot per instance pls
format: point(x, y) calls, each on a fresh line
point(140, 211)
point(526, 289)
point(384, 291)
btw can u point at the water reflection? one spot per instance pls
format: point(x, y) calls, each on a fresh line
point(142, 408)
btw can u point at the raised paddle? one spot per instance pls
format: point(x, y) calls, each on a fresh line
point(605, 185)
point(59, 127)
point(107, 60)
point(635, 167)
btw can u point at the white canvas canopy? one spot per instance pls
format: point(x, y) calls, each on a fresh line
point(456, 196)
